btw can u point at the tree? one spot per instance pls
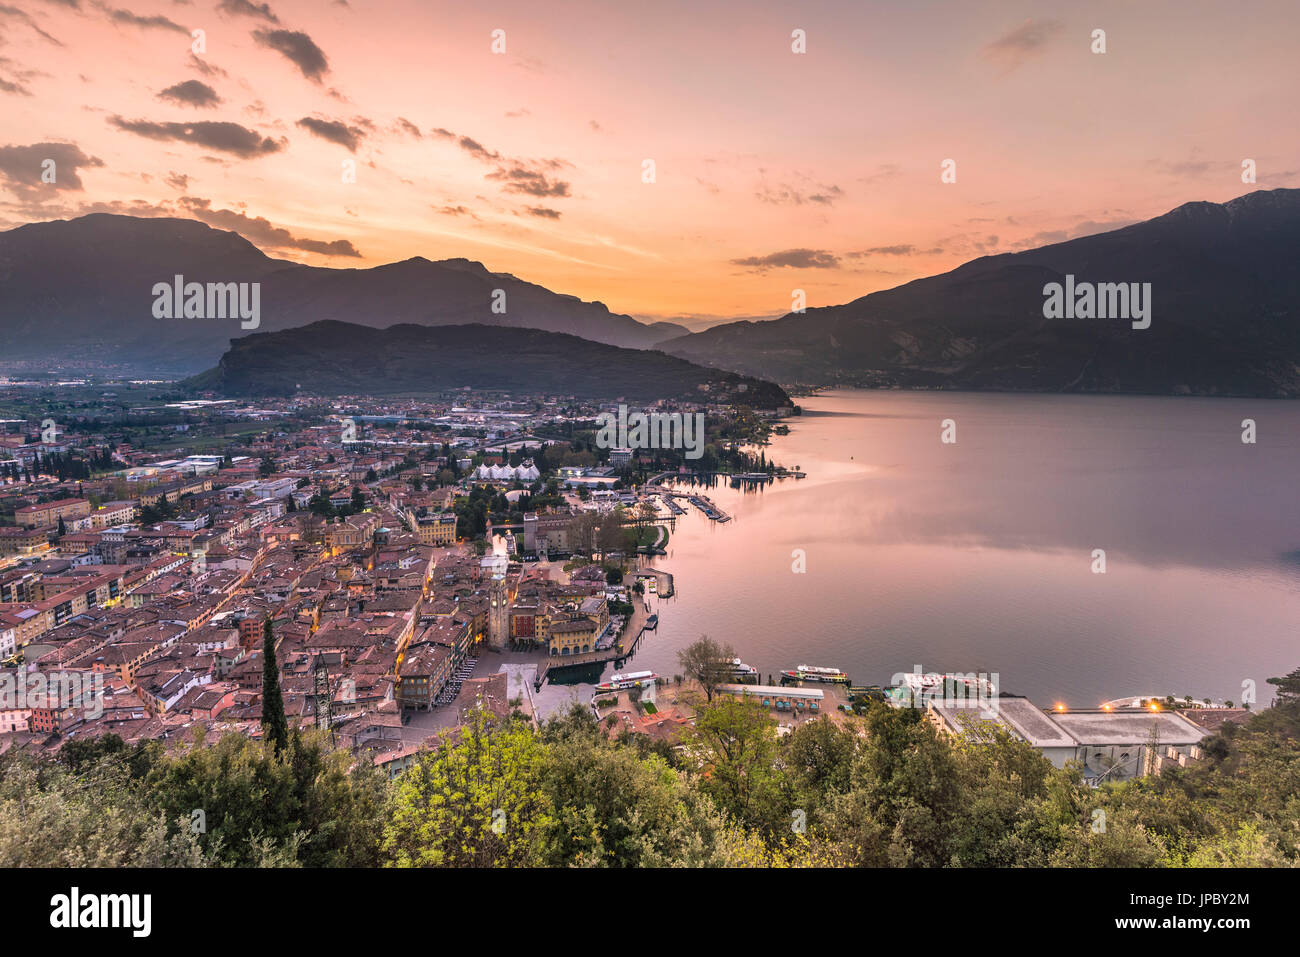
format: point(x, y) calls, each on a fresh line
point(63, 529)
point(1288, 687)
point(274, 724)
point(475, 801)
point(582, 532)
point(735, 741)
point(708, 662)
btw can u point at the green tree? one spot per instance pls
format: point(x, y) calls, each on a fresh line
point(275, 727)
point(476, 801)
point(734, 742)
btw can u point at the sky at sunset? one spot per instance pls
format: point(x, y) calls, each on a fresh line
point(774, 170)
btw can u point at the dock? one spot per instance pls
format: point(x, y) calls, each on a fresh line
point(618, 653)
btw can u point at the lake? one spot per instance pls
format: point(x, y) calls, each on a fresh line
point(978, 555)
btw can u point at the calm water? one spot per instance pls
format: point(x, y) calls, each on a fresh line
point(978, 555)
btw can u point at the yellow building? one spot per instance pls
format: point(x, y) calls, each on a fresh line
point(573, 636)
point(439, 529)
point(47, 515)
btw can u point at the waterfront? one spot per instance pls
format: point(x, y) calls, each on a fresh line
point(978, 555)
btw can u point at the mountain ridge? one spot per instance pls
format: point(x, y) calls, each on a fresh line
point(80, 288)
point(1226, 284)
point(339, 358)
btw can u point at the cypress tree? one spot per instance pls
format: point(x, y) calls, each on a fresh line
point(274, 725)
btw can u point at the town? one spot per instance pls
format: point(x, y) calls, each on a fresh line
point(412, 560)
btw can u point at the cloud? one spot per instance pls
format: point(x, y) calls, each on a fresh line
point(260, 231)
point(245, 8)
point(9, 86)
point(177, 181)
point(23, 167)
point(206, 68)
point(22, 16)
point(406, 126)
point(791, 258)
point(476, 149)
point(334, 131)
point(524, 176)
point(156, 22)
point(1023, 43)
point(453, 210)
point(299, 49)
point(530, 182)
point(899, 249)
point(223, 136)
point(781, 195)
point(543, 212)
point(883, 172)
point(191, 93)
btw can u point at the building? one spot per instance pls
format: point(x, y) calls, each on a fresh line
point(549, 531)
point(572, 635)
point(23, 541)
point(173, 491)
point(777, 697)
point(423, 674)
point(437, 529)
point(111, 514)
point(1109, 745)
point(352, 532)
point(48, 514)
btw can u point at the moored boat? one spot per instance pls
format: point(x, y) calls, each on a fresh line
point(913, 685)
point(630, 679)
point(740, 672)
point(811, 673)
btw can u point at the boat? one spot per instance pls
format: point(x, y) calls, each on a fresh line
point(738, 671)
point(652, 622)
point(915, 686)
point(811, 673)
point(630, 679)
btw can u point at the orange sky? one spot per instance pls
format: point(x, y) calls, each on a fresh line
point(774, 170)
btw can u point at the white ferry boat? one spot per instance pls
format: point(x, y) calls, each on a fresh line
point(935, 685)
point(630, 679)
point(811, 673)
point(739, 671)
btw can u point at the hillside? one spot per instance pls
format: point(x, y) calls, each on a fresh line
point(337, 358)
point(81, 289)
point(1225, 292)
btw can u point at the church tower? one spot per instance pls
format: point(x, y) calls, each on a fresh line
point(498, 614)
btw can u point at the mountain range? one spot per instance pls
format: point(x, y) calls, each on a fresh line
point(1224, 281)
point(340, 358)
point(1225, 320)
point(81, 289)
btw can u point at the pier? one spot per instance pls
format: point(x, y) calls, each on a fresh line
point(619, 653)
